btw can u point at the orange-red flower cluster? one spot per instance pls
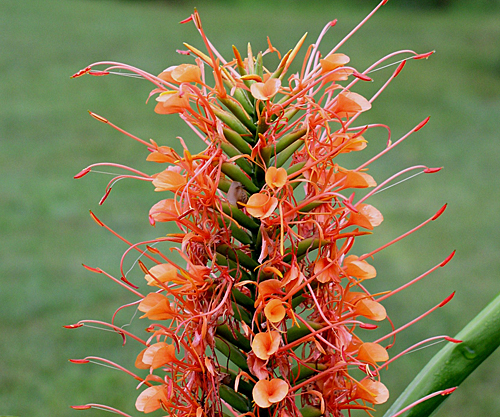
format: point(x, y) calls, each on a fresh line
point(266, 222)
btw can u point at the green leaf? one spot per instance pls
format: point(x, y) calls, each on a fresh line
point(239, 216)
point(234, 399)
point(233, 172)
point(232, 353)
point(310, 411)
point(452, 364)
point(238, 339)
point(237, 255)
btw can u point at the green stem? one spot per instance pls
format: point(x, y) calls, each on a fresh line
point(452, 364)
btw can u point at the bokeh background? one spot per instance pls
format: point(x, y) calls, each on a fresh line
point(46, 136)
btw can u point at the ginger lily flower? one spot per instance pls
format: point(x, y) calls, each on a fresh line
point(267, 393)
point(265, 225)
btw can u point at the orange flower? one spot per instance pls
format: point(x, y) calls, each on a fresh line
point(158, 354)
point(169, 180)
point(186, 73)
point(367, 217)
point(171, 102)
point(164, 211)
point(331, 273)
point(274, 311)
point(267, 90)
point(276, 177)
point(351, 179)
point(348, 104)
point(266, 344)
point(162, 273)
point(152, 398)
point(163, 154)
point(266, 393)
point(267, 287)
point(156, 306)
point(372, 391)
point(331, 63)
point(356, 144)
point(261, 205)
point(372, 353)
point(370, 309)
point(358, 269)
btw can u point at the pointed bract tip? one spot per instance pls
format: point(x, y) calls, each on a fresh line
point(399, 69)
point(422, 124)
point(152, 221)
point(79, 360)
point(432, 170)
point(81, 407)
point(82, 173)
point(368, 326)
point(448, 259)
point(447, 300)
point(423, 56)
point(452, 340)
point(440, 211)
point(73, 326)
point(97, 117)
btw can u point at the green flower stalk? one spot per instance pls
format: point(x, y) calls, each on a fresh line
point(262, 315)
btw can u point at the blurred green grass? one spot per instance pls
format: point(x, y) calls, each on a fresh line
point(47, 137)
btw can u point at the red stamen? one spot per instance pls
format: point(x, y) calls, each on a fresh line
point(81, 72)
point(182, 52)
point(452, 340)
point(81, 407)
point(446, 300)
point(189, 19)
point(82, 173)
point(105, 196)
point(399, 69)
point(96, 270)
point(97, 117)
point(432, 170)
point(333, 23)
point(448, 391)
point(79, 360)
point(73, 326)
point(422, 124)
point(96, 219)
point(361, 76)
point(422, 56)
point(448, 259)
point(440, 211)
point(125, 280)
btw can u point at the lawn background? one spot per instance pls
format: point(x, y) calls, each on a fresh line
point(46, 136)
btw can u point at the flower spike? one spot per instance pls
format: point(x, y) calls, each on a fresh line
point(264, 309)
